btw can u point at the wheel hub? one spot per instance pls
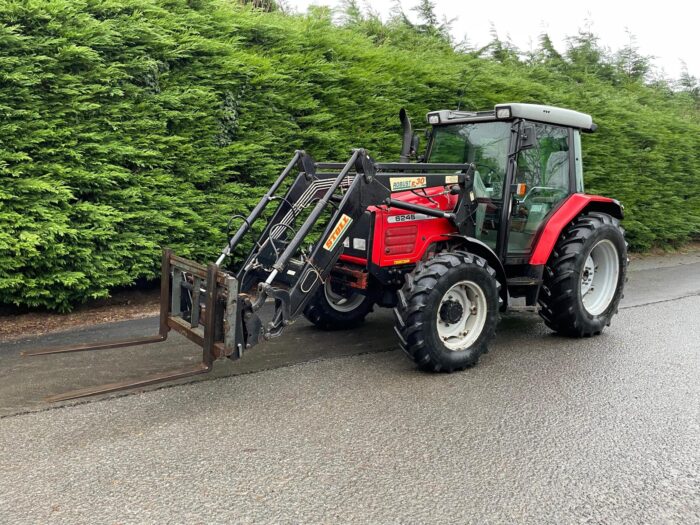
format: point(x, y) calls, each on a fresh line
point(340, 302)
point(599, 277)
point(461, 315)
point(451, 311)
point(587, 275)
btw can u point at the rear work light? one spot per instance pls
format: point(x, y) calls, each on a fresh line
point(434, 119)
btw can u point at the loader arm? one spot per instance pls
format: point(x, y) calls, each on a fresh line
point(279, 269)
point(227, 313)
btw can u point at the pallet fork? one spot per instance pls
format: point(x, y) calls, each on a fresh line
point(221, 311)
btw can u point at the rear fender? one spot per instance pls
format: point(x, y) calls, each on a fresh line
point(569, 209)
point(475, 246)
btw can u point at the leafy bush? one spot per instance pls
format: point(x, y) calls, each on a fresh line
point(126, 125)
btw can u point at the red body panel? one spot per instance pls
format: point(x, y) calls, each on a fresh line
point(567, 212)
point(405, 242)
point(352, 259)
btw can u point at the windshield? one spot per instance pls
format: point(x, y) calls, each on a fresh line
point(485, 144)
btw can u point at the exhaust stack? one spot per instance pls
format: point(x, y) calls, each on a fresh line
point(407, 145)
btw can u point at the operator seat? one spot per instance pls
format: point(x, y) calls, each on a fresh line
point(554, 187)
point(556, 174)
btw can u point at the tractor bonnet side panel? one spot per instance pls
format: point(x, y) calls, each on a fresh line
point(396, 237)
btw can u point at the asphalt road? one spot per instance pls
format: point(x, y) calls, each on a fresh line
point(340, 427)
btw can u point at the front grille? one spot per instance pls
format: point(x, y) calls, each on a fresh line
point(401, 239)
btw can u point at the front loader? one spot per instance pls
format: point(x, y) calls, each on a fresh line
point(496, 210)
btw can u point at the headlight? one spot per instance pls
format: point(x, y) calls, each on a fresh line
point(434, 119)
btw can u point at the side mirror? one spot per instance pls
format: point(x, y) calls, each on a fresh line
point(528, 139)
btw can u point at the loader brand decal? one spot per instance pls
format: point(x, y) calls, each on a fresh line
point(340, 228)
point(407, 183)
point(409, 217)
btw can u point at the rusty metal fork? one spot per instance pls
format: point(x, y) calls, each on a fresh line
point(210, 350)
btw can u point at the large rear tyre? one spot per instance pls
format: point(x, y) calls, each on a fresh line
point(331, 310)
point(585, 276)
point(447, 311)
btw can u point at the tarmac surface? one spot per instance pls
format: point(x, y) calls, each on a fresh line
point(340, 427)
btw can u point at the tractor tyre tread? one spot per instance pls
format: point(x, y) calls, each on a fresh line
point(325, 317)
point(560, 305)
point(417, 304)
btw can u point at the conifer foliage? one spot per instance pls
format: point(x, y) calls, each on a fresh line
point(127, 125)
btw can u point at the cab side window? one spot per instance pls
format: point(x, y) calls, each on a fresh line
point(545, 171)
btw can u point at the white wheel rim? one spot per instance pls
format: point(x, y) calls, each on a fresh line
point(339, 302)
point(460, 334)
point(599, 277)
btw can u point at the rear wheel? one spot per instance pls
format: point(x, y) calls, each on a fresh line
point(585, 276)
point(447, 311)
point(332, 310)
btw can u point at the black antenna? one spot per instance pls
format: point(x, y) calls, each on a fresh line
point(461, 92)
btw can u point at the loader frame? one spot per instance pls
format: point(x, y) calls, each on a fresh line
point(221, 311)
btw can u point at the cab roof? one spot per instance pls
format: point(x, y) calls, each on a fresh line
point(514, 110)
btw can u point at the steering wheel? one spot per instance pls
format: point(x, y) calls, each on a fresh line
point(487, 179)
point(491, 170)
point(539, 189)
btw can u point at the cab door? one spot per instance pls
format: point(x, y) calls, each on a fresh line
point(487, 145)
point(543, 177)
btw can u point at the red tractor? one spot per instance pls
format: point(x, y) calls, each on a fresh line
point(494, 210)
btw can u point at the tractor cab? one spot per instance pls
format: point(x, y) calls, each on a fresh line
point(527, 159)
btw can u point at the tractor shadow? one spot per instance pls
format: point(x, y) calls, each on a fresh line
point(25, 381)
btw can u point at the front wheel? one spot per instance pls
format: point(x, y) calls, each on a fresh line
point(447, 311)
point(585, 276)
point(331, 310)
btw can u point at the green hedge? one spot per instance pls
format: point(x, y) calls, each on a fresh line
point(126, 125)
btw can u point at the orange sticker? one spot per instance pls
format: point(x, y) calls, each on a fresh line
point(338, 231)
